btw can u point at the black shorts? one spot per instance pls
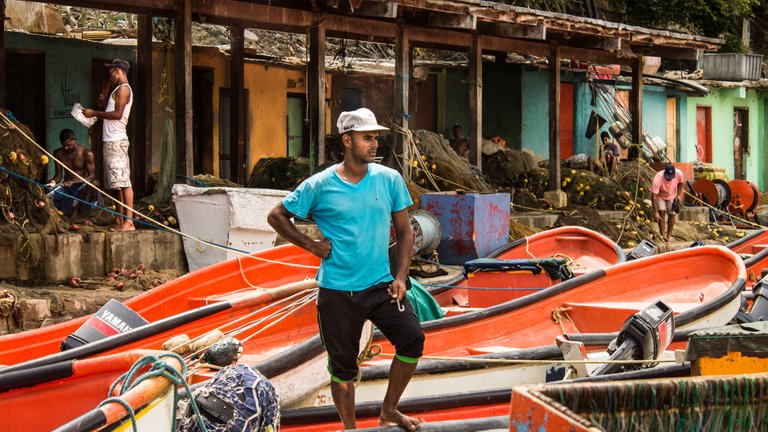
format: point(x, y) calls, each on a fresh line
point(341, 315)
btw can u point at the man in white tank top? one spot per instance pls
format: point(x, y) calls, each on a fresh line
point(117, 166)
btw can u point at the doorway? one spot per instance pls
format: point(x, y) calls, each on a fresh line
point(740, 142)
point(297, 126)
point(672, 128)
point(704, 134)
point(25, 93)
point(226, 164)
point(202, 120)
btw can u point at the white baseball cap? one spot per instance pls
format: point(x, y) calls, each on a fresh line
point(360, 120)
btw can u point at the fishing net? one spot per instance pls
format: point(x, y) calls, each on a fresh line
point(24, 204)
point(435, 165)
point(166, 179)
point(505, 166)
point(518, 230)
point(733, 403)
point(279, 173)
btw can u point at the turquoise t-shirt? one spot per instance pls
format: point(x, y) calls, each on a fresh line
point(356, 219)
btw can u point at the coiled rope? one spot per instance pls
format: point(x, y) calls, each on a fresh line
point(158, 368)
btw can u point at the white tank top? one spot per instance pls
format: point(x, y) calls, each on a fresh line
point(114, 130)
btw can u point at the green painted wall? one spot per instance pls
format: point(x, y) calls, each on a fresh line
point(501, 102)
point(67, 78)
point(456, 109)
point(722, 102)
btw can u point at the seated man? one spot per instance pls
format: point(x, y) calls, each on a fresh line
point(80, 160)
point(610, 150)
point(459, 143)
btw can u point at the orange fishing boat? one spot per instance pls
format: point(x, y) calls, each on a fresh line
point(41, 399)
point(701, 285)
point(250, 289)
point(751, 244)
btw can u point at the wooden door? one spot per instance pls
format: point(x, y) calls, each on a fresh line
point(740, 141)
point(566, 120)
point(704, 134)
point(297, 133)
point(672, 129)
point(202, 121)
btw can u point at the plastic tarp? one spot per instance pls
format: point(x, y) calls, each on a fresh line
point(425, 306)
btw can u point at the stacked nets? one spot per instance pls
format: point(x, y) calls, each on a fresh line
point(441, 168)
point(23, 203)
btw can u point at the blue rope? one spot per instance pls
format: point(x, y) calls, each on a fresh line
point(483, 288)
point(148, 224)
point(160, 368)
point(441, 265)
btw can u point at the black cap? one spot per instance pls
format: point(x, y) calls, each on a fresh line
point(669, 172)
point(119, 63)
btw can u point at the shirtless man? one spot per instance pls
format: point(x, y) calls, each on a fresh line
point(80, 160)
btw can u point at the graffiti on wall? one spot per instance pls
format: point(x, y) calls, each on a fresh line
point(69, 97)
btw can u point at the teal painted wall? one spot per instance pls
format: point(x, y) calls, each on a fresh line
point(67, 75)
point(534, 111)
point(722, 102)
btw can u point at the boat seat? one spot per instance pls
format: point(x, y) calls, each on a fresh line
point(758, 248)
point(600, 317)
point(555, 268)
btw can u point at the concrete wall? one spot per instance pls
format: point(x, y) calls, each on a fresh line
point(722, 102)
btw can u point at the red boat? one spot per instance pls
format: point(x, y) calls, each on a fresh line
point(41, 399)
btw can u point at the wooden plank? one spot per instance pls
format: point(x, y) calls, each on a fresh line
point(3, 65)
point(636, 107)
point(143, 147)
point(244, 14)
point(378, 9)
point(402, 79)
point(475, 77)
point(509, 30)
point(667, 52)
point(316, 100)
point(452, 21)
point(236, 104)
point(182, 60)
point(554, 118)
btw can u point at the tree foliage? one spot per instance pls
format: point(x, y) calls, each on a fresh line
point(712, 18)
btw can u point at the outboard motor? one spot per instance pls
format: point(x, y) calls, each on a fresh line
point(644, 336)
point(759, 310)
point(113, 318)
point(644, 249)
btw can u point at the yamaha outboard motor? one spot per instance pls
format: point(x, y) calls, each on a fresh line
point(644, 336)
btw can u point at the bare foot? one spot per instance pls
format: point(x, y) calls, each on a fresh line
point(127, 226)
point(397, 418)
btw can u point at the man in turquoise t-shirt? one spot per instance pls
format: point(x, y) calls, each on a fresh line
point(353, 204)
